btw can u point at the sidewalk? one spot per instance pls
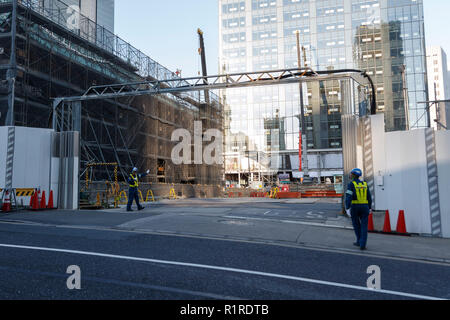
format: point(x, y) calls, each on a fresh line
point(213, 219)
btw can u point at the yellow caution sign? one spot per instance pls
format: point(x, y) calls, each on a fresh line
point(24, 192)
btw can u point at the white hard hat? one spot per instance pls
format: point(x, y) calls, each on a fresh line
point(135, 169)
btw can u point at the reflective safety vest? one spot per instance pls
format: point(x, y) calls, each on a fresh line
point(135, 180)
point(361, 193)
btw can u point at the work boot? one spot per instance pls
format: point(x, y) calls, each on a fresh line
point(356, 244)
point(363, 248)
point(141, 208)
point(129, 210)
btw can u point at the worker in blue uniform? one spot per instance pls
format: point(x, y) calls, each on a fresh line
point(358, 205)
point(133, 181)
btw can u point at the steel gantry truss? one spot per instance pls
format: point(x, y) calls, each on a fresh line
point(64, 113)
point(67, 110)
point(227, 81)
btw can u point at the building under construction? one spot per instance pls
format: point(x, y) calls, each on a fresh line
point(42, 57)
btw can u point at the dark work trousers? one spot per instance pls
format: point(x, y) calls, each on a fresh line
point(133, 195)
point(360, 218)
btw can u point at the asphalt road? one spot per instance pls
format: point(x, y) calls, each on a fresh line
point(129, 265)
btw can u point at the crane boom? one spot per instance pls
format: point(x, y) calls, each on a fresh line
point(201, 51)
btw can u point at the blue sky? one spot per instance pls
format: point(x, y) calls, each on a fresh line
point(167, 30)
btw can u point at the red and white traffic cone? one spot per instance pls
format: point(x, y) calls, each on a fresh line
point(7, 203)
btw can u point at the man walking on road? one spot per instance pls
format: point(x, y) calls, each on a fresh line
point(358, 205)
point(133, 181)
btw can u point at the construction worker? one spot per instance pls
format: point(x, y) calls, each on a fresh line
point(133, 181)
point(358, 204)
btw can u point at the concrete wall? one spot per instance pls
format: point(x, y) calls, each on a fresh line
point(443, 162)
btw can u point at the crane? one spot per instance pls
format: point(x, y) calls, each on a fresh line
point(201, 51)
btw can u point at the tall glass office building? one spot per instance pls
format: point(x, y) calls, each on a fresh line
point(99, 11)
point(383, 37)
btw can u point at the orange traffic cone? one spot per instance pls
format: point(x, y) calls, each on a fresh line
point(43, 201)
point(35, 205)
point(32, 199)
point(6, 203)
point(371, 226)
point(401, 224)
point(387, 223)
point(50, 201)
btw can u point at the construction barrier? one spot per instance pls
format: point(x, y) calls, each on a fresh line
point(289, 195)
point(123, 195)
point(141, 198)
point(321, 194)
point(172, 194)
point(147, 198)
point(24, 192)
point(257, 195)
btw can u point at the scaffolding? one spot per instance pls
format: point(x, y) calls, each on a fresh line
point(42, 58)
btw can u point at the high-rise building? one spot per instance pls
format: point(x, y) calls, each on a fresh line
point(438, 85)
point(385, 38)
point(99, 11)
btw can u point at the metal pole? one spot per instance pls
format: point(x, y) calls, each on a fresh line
point(304, 164)
point(438, 118)
point(406, 97)
point(11, 74)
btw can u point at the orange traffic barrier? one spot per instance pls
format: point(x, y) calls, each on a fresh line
point(401, 223)
point(387, 223)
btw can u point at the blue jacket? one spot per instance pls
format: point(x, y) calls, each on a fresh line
point(351, 195)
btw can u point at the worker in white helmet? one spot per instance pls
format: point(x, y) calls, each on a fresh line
point(133, 181)
point(358, 204)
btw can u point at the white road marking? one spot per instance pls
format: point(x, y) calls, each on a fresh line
point(202, 266)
